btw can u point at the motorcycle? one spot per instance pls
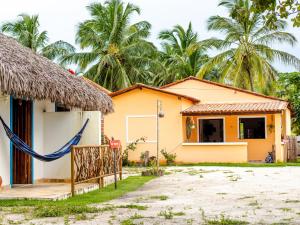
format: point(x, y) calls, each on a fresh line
point(269, 158)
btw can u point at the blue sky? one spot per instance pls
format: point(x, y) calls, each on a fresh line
point(60, 17)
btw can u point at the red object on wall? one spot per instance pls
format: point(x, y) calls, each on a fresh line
point(0, 181)
point(115, 144)
point(71, 71)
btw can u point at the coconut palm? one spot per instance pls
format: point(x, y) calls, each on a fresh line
point(115, 53)
point(181, 54)
point(246, 53)
point(26, 31)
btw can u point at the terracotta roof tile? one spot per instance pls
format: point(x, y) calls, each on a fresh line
point(236, 108)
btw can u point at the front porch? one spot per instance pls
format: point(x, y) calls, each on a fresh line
point(51, 191)
point(214, 134)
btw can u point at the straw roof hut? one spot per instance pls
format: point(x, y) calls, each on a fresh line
point(25, 74)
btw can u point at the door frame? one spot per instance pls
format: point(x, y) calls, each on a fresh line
point(11, 108)
point(207, 118)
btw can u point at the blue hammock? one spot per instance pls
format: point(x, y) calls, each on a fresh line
point(22, 146)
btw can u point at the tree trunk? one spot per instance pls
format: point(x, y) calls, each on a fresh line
point(250, 78)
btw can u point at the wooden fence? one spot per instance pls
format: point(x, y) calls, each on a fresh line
point(291, 148)
point(93, 163)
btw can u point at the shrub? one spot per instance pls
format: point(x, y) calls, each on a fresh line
point(169, 157)
point(131, 147)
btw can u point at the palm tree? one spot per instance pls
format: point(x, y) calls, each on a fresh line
point(26, 31)
point(246, 53)
point(115, 53)
point(181, 54)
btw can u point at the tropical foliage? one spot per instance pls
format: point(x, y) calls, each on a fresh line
point(26, 30)
point(181, 55)
point(246, 54)
point(114, 53)
point(274, 9)
point(289, 89)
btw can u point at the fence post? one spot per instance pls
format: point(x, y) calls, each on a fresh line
point(120, 163)
point(102, 168)
point(72, 172)
point(100, 172)
point(114, 150)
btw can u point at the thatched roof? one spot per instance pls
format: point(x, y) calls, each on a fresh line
point(24, 74)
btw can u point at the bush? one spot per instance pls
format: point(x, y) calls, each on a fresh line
point(169, 157)
point(130, 147)
point(153, 172)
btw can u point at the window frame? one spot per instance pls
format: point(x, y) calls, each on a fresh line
point(251, 117)
point(212, 118)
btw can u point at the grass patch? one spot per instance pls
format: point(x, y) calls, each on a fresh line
point(136, 216)
point(254, 203)
point(244, 164)
point(292, 201)
point(160, 197)
point(138, 207)
point(79, 203)
point(127, 222)
point(245, 197)
point(81, 217)
point(169, 214)
point(285, 209)
point(225, 221)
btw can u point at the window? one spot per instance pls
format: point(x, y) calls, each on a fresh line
point(61, 108)
point(211, 130)
point(252, 128)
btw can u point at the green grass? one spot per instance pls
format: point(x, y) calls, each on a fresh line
point(138, 207)
point(79, 204)
point(160, 197)
point(244, 164)
point(226, 221)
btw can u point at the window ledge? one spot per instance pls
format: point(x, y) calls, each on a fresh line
point(213, 143)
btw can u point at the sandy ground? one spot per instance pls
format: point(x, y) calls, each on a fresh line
point(197, 195)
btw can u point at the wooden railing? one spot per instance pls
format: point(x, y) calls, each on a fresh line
point(93, 163)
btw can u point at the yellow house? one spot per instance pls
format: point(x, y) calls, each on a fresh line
point(204, 122)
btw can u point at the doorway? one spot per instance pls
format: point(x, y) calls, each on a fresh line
point(22, 127)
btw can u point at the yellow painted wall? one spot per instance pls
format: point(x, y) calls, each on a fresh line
point(235, 153)
point(257, 148)
point(209, 93)
point(143, 103)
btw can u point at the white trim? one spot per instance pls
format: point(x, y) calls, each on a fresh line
point(214, 143)
point(126, 127)
point(238, 127)
point(208, 117)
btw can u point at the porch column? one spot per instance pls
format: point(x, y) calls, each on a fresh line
point(278, 148)
point(287, 123)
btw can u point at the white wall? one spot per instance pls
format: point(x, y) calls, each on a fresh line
point(51, 131)
point(92, 135)
point(4, 141)
point(59, 128)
